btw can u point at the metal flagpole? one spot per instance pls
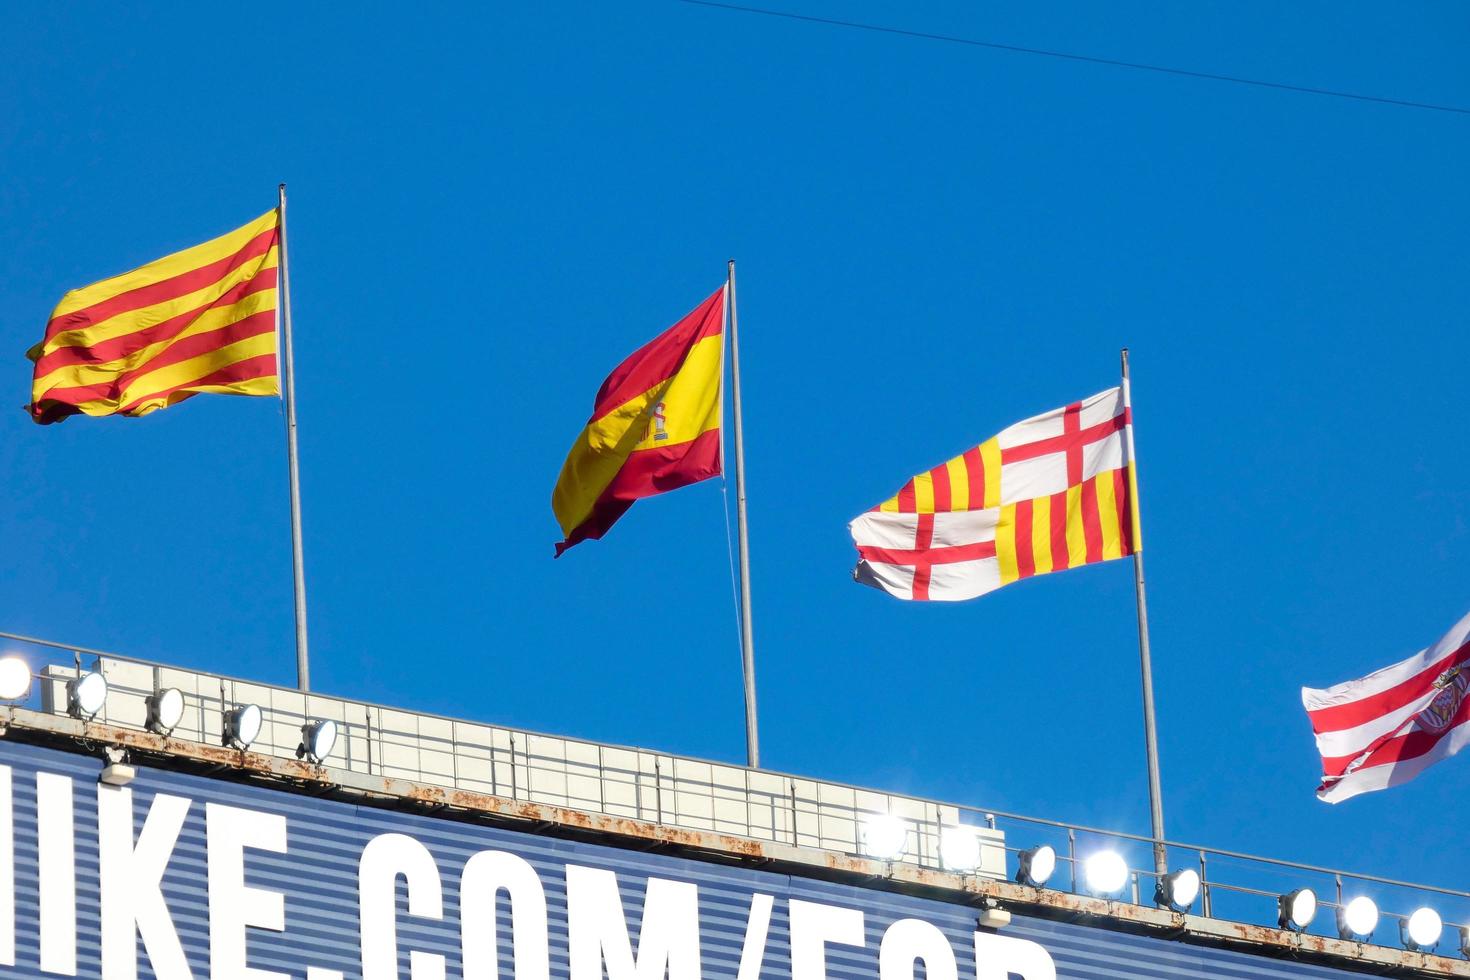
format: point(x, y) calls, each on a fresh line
point(1151, 738)
point(747, 644)
point(288, 395)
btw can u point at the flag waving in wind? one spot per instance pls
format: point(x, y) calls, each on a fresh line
point(655, 427)
point(1052, 492)
point(199, 320)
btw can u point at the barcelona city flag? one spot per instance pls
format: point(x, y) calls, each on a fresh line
point(1052, 492)
point(203, 319)
point(655, 427)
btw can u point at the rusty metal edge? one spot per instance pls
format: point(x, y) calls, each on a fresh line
point(809, 861)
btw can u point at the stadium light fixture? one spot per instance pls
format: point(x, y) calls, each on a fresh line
point(1357, 919)
point(1421, 931)
point(959, 848)
point(242, 726)
point(1034, 867)
point(885, 837)
point(1106, 873)
point(165, 710)
point(86, 695)
point(1296, 910)
point(317, 740)
point(1178, 890)
point(1465, 941)
point(15, 678)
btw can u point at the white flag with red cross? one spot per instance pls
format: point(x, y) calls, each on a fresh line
point(1052, 492)
point(1386, 728)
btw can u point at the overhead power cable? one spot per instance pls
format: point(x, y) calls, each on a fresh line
point(1069, 56)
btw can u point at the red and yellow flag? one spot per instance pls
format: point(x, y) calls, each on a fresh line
point(203, 319)
point(655, 427)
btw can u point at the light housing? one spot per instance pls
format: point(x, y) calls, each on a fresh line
point(1357, 919)
point(15, 678)
point(1296, 910)
point(1035, 866)
point(959, 848)
point(1422, 930)
point(317, 740)
point(1105, 872)
point(165, 710)
point(86, 695)
point(1178, 890)
point(242, 725)
point(885, 837)
point(1465, 941)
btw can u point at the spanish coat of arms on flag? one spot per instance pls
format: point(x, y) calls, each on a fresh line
point(1052, 492)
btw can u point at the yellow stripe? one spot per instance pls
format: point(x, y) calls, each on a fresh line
point(1107, 513)
point(166, 267)
point(253, 386)
point(990, 457)
point(198, 367)
point(1076, 533)
point(1133, 502)
point(959, 484)
point(889, 506)
point(1005, 544)
point(1041, 534)
point(924, 493)
point(75, 375)
point(691, 406)
point(145, 317)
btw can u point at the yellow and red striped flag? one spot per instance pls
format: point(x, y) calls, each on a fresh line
point(655, 427)
point(203, 319)
point(1052, 492)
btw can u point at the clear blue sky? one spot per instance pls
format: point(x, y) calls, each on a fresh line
point(490, 209)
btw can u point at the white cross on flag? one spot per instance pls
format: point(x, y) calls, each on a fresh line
point(1052, 492)
point(1386, 728)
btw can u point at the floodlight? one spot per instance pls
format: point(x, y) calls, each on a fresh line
point(885, 837)
point(86, 695)
point(1465, 940)
point(1106, 872)
point(1421, 931)
point(317, 739)
point(1357, 919)
point(959, 848)
point(242, 725)
point(165, 710)
point(1178, 890)
point(1035, 866)
point(1296, 910)
point(15, 678)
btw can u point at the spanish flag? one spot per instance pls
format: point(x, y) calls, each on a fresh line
point(655, 427)
point(203, 319)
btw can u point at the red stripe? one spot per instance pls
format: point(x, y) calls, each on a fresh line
point(1059, 444)
point(660, 358)
point(647, 472)
point(1071, 423)
point(1340, 717)
point(1091, 523)
point(940, 476)
point(1025, 558)
point(923, 538)
point(110, 350)
point(263, 366)
point(1125, 509)
point(1400, 748)
point(906, 499)
point(975, 469)
point(1059, 555)
point(946, 555)
point(251, 326)
point(159, 292)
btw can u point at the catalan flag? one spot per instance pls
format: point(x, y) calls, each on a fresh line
point(203, 319)
point(655, 426)
point(1052, 492)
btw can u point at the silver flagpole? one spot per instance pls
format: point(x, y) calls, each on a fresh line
point(1151, 737)
point(747, 644)
point(288, 395)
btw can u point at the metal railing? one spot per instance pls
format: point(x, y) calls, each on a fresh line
point(731, 799)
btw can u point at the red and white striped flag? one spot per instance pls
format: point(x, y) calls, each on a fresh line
point(1386, 728)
